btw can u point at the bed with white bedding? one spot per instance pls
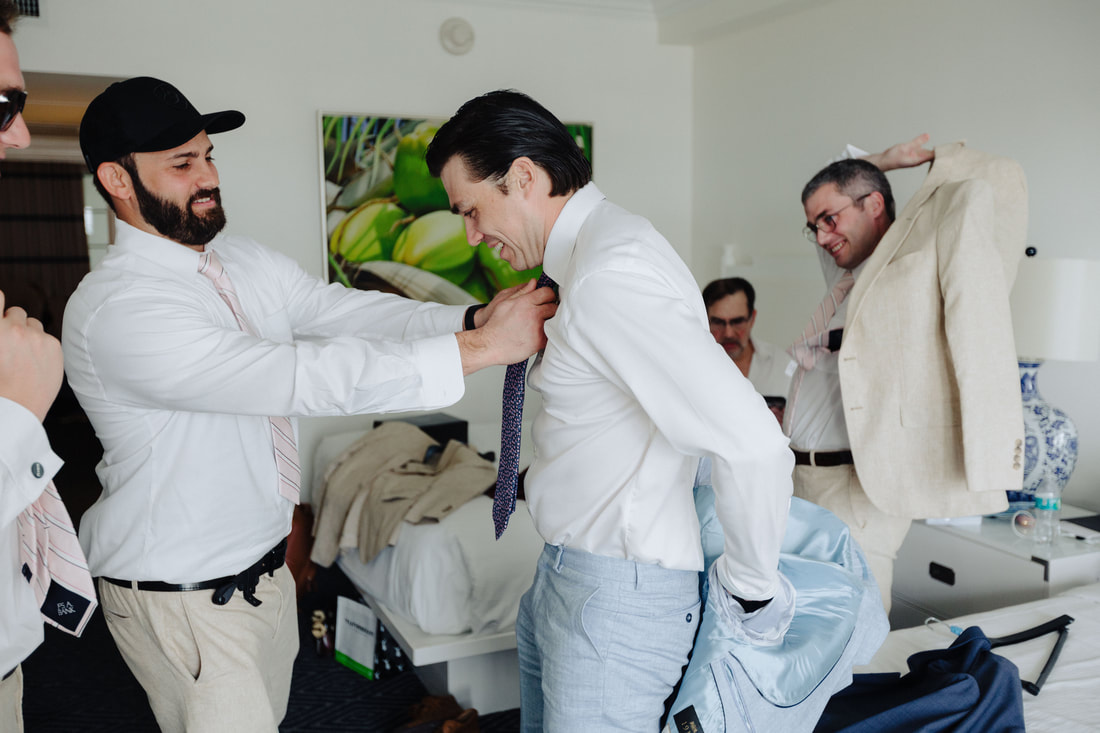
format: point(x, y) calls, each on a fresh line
point(449, 593)
point(1067, 701)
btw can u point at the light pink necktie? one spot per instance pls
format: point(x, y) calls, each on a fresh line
point(282, 433)
point(815, 337)
point(54, 564)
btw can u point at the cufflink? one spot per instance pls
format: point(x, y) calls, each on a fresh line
point(37, 470)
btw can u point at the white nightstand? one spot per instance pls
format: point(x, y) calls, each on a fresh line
point(947, 570)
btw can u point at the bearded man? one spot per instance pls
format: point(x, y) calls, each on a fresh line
point(192, 352)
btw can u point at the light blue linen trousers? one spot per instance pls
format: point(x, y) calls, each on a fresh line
point(602, 641)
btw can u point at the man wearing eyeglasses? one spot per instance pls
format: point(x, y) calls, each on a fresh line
point(906, 401)
point(731, 311)
point(30, 376)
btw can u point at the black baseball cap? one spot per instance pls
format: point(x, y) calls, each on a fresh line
point(144, 115)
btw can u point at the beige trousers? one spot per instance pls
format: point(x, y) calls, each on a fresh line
point(11, 703)
point(879, 534)
point(207, 668)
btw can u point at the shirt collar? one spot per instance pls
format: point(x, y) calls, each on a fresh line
point(156, 249)
point(563, 235)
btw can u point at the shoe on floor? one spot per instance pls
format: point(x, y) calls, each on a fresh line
point(466, 722)
point(431, 709)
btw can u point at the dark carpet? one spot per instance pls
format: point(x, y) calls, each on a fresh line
point(83, 686)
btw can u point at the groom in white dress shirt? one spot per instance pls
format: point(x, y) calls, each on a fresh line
point(627, 380)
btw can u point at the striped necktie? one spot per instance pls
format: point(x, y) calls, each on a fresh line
point(282, 433)
point(54, 564)
point(504, 497)
point(814, 340)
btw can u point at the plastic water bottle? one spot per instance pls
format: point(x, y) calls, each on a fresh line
point(1048, 511)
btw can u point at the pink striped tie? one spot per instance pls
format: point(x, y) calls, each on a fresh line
point(814, 339)
point(282, 433)
point(54, 564)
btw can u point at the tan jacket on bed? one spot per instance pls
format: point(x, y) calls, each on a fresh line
point(387, 464)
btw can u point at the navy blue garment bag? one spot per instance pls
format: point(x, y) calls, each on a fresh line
point(965, 688)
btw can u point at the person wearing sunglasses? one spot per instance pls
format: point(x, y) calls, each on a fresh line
point(32, 516)
point(192, 351)
point(906, 402)
point(731, 311)
point(13, 129)
point(11, 109)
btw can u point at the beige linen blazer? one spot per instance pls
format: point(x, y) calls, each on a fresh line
point(928, 368)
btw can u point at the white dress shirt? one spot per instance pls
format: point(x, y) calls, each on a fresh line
point(26, 466)
point(180, 397)
point(634, 391)
point(814, 417)
point(771, 369)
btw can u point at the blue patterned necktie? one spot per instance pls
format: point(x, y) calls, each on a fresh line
point(504, 498)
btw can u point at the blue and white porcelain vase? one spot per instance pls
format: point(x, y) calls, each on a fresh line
point(1050, 438)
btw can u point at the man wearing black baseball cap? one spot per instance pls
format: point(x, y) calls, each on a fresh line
point(189, 349)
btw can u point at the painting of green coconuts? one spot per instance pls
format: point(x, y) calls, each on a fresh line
point(416, 189)
point(387, 219)
point(436, 242)
point(499, 273)
point(369, 232)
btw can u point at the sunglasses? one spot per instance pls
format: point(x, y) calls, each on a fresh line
point(11, 104)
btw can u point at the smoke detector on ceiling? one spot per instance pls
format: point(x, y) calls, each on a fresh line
point(456, 35)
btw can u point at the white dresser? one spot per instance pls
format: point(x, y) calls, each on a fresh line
point(947, 570)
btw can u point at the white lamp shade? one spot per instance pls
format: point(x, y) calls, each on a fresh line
point(1056, 309)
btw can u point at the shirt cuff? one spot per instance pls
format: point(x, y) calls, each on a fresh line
point(441, 361)
point(764, 626)
point(25, 453)
point(851, 152)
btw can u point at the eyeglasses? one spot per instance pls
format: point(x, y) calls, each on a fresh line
point(827, 222)
point(11, 104)
point(716, 322)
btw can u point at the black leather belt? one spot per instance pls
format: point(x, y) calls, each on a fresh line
point(246, 581)
point(823, 458)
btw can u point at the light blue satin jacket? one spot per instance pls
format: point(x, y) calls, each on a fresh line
point(775, 670)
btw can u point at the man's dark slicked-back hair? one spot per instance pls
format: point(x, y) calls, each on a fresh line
point(489, 132)
point(853, 178)
point(8, 13)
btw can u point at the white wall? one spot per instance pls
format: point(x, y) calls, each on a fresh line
point(1014, 77)
point(280, 62)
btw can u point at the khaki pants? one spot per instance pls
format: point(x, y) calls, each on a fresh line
point(879, 535)
point(209, 668)
point(11, 703)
